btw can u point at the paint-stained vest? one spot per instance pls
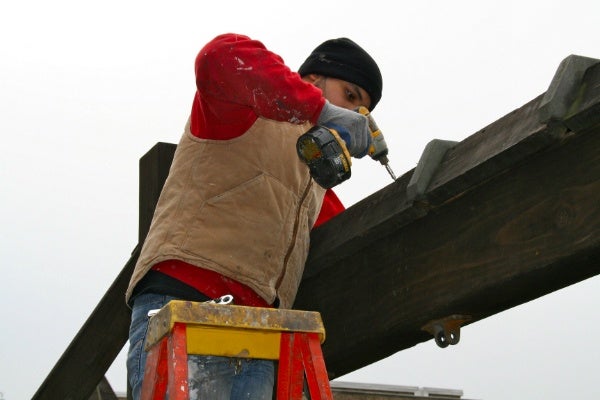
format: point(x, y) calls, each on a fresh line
point(242, 207)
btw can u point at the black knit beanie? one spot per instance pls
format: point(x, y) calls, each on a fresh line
point(343, 59)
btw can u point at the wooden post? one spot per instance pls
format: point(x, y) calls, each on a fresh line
point(101, 338)
point(154, 169)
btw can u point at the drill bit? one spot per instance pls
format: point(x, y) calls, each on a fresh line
point(389, 170)
point(386, 163)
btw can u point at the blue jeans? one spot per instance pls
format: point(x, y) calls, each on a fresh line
point(209, 377)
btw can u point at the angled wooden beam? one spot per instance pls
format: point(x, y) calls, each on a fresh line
point(82, 366)
point(103, 391)
point(511, 214)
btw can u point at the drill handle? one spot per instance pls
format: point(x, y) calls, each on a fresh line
point(378, 149)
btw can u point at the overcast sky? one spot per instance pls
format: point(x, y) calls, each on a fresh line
point(87, 88)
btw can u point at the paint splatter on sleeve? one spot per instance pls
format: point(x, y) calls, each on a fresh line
point(234, 69)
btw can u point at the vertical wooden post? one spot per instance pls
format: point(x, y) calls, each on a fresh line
point(154, 169)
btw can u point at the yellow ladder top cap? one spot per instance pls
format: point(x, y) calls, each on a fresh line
point(228, 316)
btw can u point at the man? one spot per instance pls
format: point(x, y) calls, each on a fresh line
point(236, 211)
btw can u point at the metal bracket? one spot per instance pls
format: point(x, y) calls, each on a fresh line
point(428, 164)
point(564, 88)
point(446, 331)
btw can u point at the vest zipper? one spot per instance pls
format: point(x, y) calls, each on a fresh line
point(294, 234)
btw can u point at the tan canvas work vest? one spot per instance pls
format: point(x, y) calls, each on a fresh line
point(242, 207)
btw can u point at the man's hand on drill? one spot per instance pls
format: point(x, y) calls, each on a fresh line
point(351, 126)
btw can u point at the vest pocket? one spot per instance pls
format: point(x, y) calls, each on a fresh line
point(245, 230)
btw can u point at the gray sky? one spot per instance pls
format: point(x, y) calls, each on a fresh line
point(87, 88)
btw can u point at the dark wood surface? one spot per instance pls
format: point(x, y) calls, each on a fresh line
point(154, 169)
point(532, 229)
point(83, 364)
point(510, 215)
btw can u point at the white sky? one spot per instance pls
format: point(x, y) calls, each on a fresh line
point(87, 88)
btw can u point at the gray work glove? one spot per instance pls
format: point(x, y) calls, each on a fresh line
point(352, 127)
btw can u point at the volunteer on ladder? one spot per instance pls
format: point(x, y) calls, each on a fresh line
point(236, 211)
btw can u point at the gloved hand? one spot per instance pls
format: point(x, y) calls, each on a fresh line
point(352, 127)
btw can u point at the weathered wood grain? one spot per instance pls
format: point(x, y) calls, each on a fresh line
point(83, 364)
point(89, 355)
point(530, 230)
point(511, 214)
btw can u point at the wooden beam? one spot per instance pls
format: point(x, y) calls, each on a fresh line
point(103, 391)
point(511, 215)
point(82, 366)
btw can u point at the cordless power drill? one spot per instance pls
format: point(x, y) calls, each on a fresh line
point(327, 157)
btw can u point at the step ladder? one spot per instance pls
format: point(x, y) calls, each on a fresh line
point(180, 328)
